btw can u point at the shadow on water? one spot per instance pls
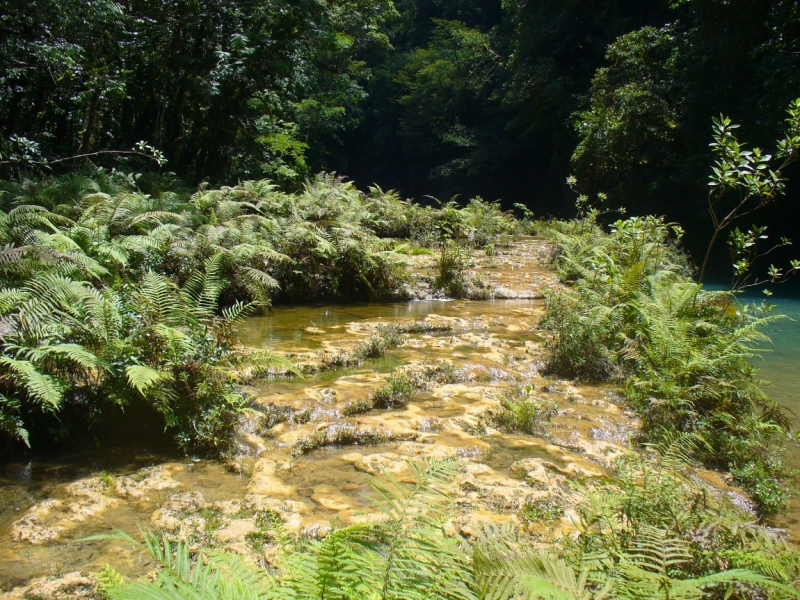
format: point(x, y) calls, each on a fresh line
point(28, 480)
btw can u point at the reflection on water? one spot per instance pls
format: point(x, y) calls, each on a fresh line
point(288, 327)
point(291, 328)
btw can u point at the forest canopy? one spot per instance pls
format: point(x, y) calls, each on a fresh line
point(442, 97)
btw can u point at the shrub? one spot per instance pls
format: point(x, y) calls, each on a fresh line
point(523, 415)
point(452, 265)
point(397, 392)
point(667, 511)
point(580, 346)
point(386, 337)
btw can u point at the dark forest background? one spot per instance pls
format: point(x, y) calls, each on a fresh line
point(502, 99)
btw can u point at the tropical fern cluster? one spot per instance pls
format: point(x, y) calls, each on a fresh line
point(688, 544)
point(637, 316)
point(663, 533)
point(120, 292)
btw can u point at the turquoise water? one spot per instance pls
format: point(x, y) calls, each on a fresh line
point(781, 366)
point(781, 363)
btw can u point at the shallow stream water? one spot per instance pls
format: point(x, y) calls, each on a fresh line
point(26, 484)
point(312, 466)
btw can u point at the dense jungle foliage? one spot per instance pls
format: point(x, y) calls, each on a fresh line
point(157, 162)
point(115, 300)
point(498, 99)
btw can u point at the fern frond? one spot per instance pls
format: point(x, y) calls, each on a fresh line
point(144, 378)
point(259, 363)
point(43, 388)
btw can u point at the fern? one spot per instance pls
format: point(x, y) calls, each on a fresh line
point(507, 568)
point(144, 378)
point(408, 556)
point(416, 549)
point(682, 353)
point(648, 570)
point(43, 388)
point(260, 363)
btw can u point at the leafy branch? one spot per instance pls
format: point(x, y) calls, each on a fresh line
point(750, 180)
point(25, 152)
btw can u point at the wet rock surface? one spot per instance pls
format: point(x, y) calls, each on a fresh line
point(70, 586)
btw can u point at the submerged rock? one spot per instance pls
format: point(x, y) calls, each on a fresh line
point(157, 478)
point(265, 480)
point(237, 529)
point(70, 586)
point(85, 500)
point(377, 464)
point(332, 498)
point(31, 528)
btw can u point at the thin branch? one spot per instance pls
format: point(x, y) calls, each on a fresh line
point(79, 156)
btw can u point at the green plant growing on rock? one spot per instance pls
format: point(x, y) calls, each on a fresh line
point(422, 327)
point(441, 372)
point(385, 338)
point(524, 414)
point(452, 266)
point(397, 392)
point(401, 386)
point(340, 435)
point(357, 407)
point(544, 509)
